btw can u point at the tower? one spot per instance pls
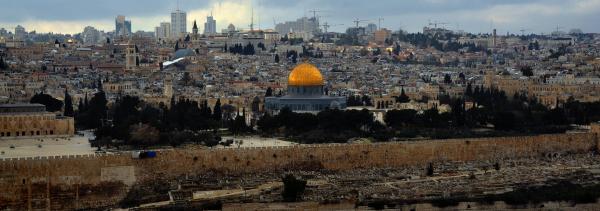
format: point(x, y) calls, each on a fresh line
point(210, 27)
point(122, 26)
point(195, 28)
point(20, 32)
point(163, 31)
point(178, 23)
point(494, 41)
point(132, 60)
point(168, 87)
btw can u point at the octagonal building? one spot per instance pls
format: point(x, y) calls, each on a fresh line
point(305, 93)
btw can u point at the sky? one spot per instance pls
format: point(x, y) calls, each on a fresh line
point(476, 16)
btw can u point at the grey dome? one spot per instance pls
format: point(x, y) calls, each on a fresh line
point(184, 53)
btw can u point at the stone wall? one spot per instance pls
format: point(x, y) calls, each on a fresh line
point(102, 180)
point(43, 124)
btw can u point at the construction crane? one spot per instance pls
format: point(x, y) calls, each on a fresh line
point(252, 21)
point(315, 11)
point(435, 23)
point(326, 26)
point(558, 28)
point(523, 30)
point(357, 21)
point(379, 24)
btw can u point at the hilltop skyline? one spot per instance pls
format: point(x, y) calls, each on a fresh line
point(535, 16)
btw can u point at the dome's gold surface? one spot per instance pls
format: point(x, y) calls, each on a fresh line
point(305, 74)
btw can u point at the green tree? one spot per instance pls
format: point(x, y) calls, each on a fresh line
point(269, 92)
point(469, 90)
point(504, 120)
point(217, 112)
point(239, 125)
point(527, 71)
point(68, 104)
point(80, 106)
point(52, 104)
point(447, 79)
point(186, 79)
point(293, 188)
point(400, 118)
point(403, 98)
point(3, 65)
point(430, 169)
point(256, 104)
point(97, 110)
point(144, 135)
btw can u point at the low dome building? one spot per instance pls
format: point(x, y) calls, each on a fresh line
point(305, 93)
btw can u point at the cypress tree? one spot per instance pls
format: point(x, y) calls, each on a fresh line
point(3, 65)
point(217, 113)
point(68, 104)
point(86, 103)
point(80, 107)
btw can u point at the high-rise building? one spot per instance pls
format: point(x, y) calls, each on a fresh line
point(371, 28)
point(20, 32)
point(302, 25)
point(210, 27)
point(178, 23)
point(163, 31)
point(3, 32)
point(90, 35)
point(122, 26)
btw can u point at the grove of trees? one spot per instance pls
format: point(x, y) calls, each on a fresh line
point(136, 123)
point(52, 104)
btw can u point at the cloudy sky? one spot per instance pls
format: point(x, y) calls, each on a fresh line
point(71, 16)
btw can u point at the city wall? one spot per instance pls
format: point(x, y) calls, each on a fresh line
point(68, 182)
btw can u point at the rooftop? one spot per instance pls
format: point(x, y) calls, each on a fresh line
point(22, 108)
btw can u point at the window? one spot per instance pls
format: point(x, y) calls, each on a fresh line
point(51, 132)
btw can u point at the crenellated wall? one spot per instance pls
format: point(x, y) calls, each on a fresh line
point(102, 180)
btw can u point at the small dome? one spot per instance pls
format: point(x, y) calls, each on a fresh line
point(305, 74)
point(181, 53)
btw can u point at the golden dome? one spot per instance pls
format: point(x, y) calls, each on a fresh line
point(305, 74)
